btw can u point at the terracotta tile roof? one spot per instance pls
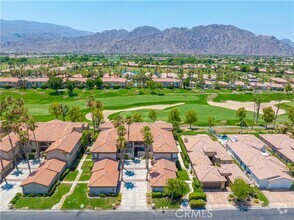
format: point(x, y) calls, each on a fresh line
point(104, 173)
point(162, 137)
point(234, 172)
point(208, 173)
point(205, 145)
point(46, 173)
point(5, 144)
point(113, 79)
point(161, 171)
point(5, 164)
point(197, 157)
point(38, 80)
point(11, 80)
point(283, 144)
point(66, 143)
point(167, 80)
point(260, 164)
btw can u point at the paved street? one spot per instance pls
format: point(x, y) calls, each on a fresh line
point(256, 214)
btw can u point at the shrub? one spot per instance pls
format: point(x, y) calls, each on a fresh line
point(116, 86)
point(156, 195)
point(102, 195)
point(64, 174)
point(7, 86)
point(31, 156)
point(196, 183)
point(197, 203)
point(44, 86)
point(197, 195)
point(170, 86)
point(15, 198)
point(81, 86)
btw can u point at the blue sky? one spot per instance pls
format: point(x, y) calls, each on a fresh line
point(261, 17)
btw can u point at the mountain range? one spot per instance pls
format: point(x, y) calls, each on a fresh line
point(22, 36)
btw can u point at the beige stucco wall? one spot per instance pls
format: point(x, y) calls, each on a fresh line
point(34, 188)
point(105, 190)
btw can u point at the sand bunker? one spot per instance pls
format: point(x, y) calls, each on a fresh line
point(106, 113)
point(249, 106)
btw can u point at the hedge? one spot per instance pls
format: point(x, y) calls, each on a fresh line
point(197, 203)
point(156, 195)
point(64, 174)
point(197, 195)
point(15, 198)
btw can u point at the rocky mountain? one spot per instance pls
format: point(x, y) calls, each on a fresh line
point(288, 41)
point(211, 39)
point(27, 30)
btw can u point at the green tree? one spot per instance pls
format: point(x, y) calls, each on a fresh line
point(121, 144)
point(268, 115)
point(291, 115)
point(55, 109)
point(191, 117)
point(152, 86)
point(137, 117)
point(117, 121)
point(288, 88)
point(70, 85)
point(174, 118)
point(76, 114)
point(211, 121)
point(153, 115)
point(257, 102)
point(175, 187)
point(55, 83)
point(240, 189)
point(159, 88)
point(90, 83)
point(64, 111)
point(241, 115)
point(98, 82)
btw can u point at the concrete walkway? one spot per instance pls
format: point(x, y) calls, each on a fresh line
point(185, 203)
point(134, 186)
point(73, 186)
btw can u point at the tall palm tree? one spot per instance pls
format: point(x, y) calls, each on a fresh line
point(129, 121)
point(258, 103)
point(90, 104)
point(118, 121)
point(32, 125)
point(148, 140)
point(277, 112)
point(121, 145)
point(23, 139)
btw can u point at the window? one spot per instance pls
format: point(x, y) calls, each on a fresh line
point(33, 151)
point(174, 156)
point(94, 155)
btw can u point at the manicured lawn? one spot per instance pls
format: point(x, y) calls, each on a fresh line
point(71, 176)
point(80, 200)
point(166, 202)
point(43, 202)
point(260, 196)
point(38, 101)
point(86, 167)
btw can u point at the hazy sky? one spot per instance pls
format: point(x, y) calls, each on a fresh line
point(261, 17)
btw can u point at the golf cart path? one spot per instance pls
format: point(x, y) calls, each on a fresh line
point(107, 113)
point(249, 106)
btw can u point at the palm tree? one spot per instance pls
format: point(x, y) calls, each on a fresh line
point(90, 104)
point(258, 103)
point(118, 121)
point(129, 121)
point(32, 125)
point(277, 112)
point(148, 140)
point(2, 168)
point(121, 145)
point(23, 139)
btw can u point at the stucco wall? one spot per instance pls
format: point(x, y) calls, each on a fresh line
point(105, 190)
point(34, 188)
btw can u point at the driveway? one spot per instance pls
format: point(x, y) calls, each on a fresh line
point(279, 198)
point(14, 179)
point(217, 199)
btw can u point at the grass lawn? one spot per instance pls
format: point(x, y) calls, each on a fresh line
point(166, 202)
point(260, 196)
point(38, 101)
point(86, 167)
point(80, 200)
point(43, 202)
point(71, 176)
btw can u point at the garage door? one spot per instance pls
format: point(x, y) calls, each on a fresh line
point(214, 185)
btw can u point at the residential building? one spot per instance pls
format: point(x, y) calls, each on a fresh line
point(43, 179)
point(160, 173)
point(281, 144)
point(114, 81)
point(279, 80)
point(104, 177)
point(167, 82)
point(36, 82)
point(163, 145)
point(266, 171)
point(12, 82)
